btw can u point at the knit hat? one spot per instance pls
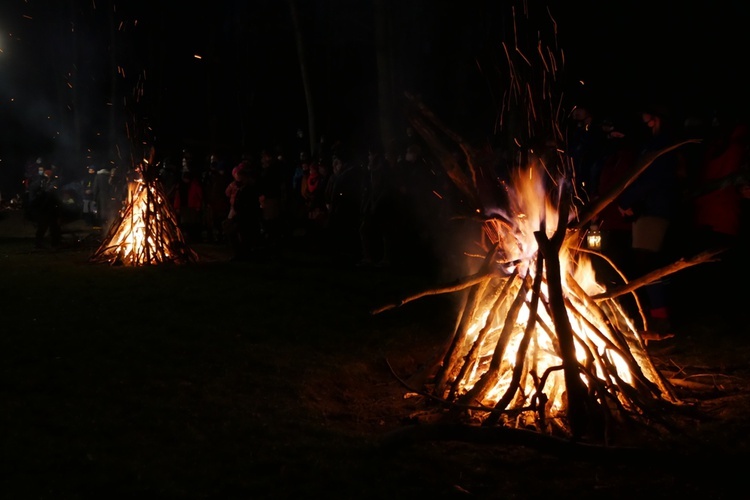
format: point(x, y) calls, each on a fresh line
point(239, 171)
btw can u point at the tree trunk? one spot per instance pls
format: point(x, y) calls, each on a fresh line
point(113, 98)
point(76, 147)
point(304, 73)
point(385, 85)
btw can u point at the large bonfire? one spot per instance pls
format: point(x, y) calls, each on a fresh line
point(538, 343)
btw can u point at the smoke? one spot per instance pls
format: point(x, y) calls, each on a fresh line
point(68, 81)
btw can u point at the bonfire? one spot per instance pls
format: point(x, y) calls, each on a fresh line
point(538, 343)
point(147, 230)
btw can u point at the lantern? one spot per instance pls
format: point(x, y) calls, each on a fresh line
point(594, 237)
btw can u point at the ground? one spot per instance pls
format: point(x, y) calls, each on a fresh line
point(272, 379)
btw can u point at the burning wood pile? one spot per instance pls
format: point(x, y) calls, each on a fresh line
point(147, 231)
point(538, 343)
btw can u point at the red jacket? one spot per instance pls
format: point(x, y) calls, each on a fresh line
point(720, 208)
point(194, 196)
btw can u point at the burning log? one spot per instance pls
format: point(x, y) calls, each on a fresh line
point(147, 231)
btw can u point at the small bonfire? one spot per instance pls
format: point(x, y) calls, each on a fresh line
point(146, 231)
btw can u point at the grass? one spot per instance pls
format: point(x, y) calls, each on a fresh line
point(261, 379)
point(212, 380)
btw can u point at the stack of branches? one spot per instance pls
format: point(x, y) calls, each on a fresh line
point(147, 231)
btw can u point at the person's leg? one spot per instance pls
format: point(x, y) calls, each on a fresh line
point(41, 230)
point(648, 241)
point(42, 226)
point(366, 240)
point(55, 230)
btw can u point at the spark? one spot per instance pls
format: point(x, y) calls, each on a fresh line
point(523, 56)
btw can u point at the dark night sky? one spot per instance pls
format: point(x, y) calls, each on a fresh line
point(692, 54)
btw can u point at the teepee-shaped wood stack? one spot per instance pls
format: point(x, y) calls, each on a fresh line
point(146, 232)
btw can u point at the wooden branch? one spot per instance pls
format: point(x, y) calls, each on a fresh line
point(619, 312)
point(578, 414)
point(684, 263)
point(450, 165)
point(426, 112)
point(456, 286)
point(622, 276)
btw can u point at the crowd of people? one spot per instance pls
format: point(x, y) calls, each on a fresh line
point(50, 200)
point(373, 211)
point(392, 207)
point(690, 199)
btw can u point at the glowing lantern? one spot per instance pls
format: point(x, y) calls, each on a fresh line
point(594, 237)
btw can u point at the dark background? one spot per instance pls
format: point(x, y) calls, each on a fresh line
point(84, 82)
